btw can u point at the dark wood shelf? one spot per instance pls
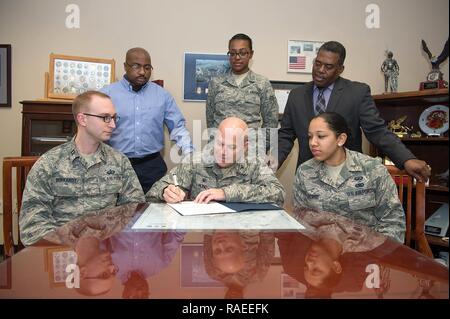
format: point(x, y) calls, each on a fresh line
point(443, 139)
point(434, 150)
point(424, 98)
point(45, 119)
point(411, 94)
point(439, 188)
point(438, 241)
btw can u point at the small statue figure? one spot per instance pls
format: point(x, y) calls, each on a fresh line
point(391, 70)
point(416, 134)
point(435, 74)
point(396, 127)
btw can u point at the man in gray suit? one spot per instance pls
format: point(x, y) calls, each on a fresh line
point(329, 92)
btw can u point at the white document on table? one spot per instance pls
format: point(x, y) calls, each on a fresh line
point(189, 208)
point(160, 217)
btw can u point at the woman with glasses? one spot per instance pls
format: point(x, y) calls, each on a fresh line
point(241, 92)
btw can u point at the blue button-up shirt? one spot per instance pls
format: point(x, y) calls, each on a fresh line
point(146, 252)
point(326, 94)
point(140, 130)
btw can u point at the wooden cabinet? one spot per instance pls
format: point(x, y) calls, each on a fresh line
point(433, 150)
point(45, 124)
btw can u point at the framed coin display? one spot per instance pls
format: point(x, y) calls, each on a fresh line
point(56, 261)
point(72, 75)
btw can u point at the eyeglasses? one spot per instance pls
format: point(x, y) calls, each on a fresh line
point(106, 118)
point(137, 67)
point(241, 54)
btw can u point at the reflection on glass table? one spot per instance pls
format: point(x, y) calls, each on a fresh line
point(332, 257)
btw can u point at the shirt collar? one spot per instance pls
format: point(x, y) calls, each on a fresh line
point(350, 162)
point(251, 77)
point(237, 169)
point(329, 87)
point(128, 85)
point(75, 154)
point(351, 165)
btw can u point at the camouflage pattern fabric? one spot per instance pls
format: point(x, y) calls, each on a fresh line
point(325, 225)
point(253, 101)
point(242, 182)
point(363, 192)
point(63, 185)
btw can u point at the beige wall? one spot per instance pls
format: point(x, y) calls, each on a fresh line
point(169, 28)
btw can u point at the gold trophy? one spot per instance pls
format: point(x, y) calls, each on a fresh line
point(396, 127)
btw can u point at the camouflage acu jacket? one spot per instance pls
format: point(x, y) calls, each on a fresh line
point(242, 182)
point(364, 192)
point(253, 101)
point(62, 186)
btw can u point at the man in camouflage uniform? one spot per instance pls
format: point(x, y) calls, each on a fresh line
point(78, 176)
point(363, 192)
point(241, 92)
point(224, 174)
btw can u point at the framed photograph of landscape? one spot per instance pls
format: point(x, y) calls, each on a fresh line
point(199, 69)
point(5, 75)
point(73, 75)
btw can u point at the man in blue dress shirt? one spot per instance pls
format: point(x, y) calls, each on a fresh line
point(144, 108)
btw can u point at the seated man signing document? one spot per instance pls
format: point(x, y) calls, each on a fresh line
point(221, 173)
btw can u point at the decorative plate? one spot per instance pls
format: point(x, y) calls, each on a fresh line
point(434, 120)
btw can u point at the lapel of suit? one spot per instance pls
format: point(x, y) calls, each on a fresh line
point(309, 87)
point(335, 95)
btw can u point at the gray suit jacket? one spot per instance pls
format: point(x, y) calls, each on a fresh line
point(354, 102)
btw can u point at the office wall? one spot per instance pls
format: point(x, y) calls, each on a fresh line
point(171, 27)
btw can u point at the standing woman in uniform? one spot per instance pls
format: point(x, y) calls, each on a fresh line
point(346, 182)
point(244, 94)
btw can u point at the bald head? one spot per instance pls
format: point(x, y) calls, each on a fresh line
point(233, 123)
point(138, 67)
point(136, 51)
point(231, 142)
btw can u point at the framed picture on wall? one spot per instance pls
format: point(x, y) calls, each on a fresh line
point(56, 259)
point(199, 69)
point(301, 55)
point(282, 90)
point(5, 75)
point(72, 75)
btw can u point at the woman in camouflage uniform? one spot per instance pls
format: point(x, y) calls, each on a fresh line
point(346, 182)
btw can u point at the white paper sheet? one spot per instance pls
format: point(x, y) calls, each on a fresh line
point(282, 97)
point(190, 208)
point(159, 217)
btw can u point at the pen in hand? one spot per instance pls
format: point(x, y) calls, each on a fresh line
point(173, 193)
point(178, 190)
point(175, 181)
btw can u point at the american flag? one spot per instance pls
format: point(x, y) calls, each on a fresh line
point(297, 62)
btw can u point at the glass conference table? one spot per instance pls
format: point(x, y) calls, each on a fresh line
point(251, 255)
